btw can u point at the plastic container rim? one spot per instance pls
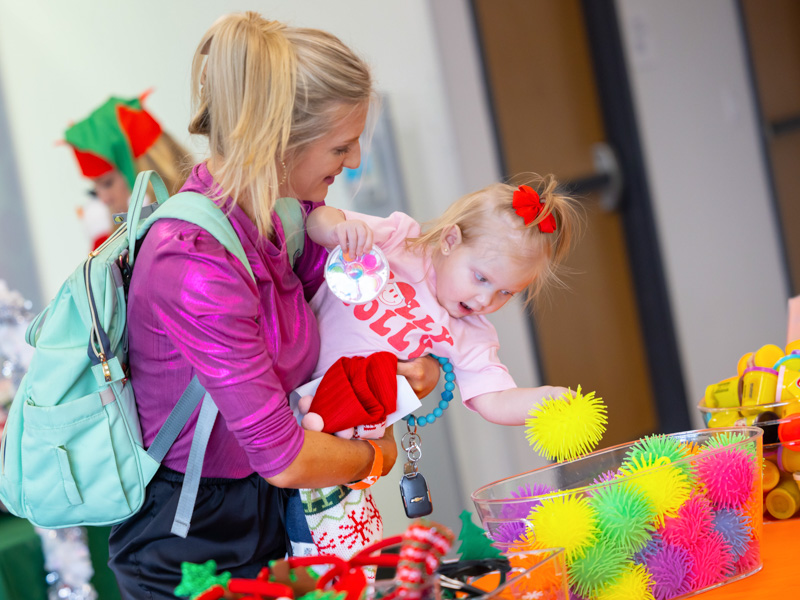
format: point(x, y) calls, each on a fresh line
point(752, 433)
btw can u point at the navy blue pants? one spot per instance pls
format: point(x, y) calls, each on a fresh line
point(239, 523)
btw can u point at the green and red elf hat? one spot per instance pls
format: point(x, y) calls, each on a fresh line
point(112, 137)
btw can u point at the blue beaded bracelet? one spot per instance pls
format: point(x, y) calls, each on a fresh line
point(447, 396)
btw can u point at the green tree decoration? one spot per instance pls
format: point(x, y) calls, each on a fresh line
point(475, 545)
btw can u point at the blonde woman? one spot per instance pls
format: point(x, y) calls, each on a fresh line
point(283, 109)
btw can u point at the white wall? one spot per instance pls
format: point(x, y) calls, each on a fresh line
point(58, 60)
point(714, 215)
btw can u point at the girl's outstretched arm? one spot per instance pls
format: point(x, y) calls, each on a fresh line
point(511, 407)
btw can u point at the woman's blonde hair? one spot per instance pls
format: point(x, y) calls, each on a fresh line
point(167, 158)
point(489, 214)
point(262, 92)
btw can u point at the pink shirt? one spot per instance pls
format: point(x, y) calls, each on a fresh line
point(407, 320)
point(194, 310)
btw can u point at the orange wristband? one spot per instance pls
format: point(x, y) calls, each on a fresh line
point(374, 472)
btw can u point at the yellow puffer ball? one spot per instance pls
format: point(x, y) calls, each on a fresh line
point(635, 583)
point(564, 521)
point(665, 485)
point(568, 426)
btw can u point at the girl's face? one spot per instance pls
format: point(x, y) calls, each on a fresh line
point(113, 191)
point(315, 168)
point(478, 278)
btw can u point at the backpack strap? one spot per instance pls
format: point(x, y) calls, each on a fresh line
point(293, 222)
point(194, 467)
point(176, 420)
point(200, 210)
point(167, 435)
point(136, 205)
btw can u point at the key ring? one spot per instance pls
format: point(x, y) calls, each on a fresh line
point(412, 447)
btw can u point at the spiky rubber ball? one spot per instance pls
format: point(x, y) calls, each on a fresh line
point(634, 583)
point(563, 521)
point(624, 516)
point(666, 486)
point(670, 566)
point(712, 561)
point(733, 527)
point(728, 475)
point(599, 566)
point(566, 427)
point(695, 519)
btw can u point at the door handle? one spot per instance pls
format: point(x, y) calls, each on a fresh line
point(606, 181)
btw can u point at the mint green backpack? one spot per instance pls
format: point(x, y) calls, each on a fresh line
point(72, 451)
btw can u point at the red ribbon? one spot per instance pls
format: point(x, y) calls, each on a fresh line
point(529, 206)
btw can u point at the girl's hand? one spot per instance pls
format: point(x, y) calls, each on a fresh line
point(422, 373)
point(354, 236)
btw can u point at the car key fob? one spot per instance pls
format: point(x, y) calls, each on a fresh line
point(416, 496)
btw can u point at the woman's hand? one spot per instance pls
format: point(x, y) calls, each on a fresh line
point(354, 236)
point(422, 373)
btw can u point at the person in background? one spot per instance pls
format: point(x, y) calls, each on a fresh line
point(112, 145)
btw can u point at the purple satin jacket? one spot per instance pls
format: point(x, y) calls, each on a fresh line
point(194, 310)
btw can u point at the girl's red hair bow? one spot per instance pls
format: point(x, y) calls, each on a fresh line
point(529, 206)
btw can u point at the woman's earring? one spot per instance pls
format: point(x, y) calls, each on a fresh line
point(445, 250)
point(285, 173)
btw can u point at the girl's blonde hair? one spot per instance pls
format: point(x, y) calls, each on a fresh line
point(167, 158)
point(489, 215)
point(262, 92)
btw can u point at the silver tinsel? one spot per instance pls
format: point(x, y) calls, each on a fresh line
point(15, 354)
point(68, 564)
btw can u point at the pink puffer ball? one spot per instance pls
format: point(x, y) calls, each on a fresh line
point(728, 476)
point(712, 561)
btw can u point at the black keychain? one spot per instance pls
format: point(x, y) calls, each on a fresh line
point(413, 489)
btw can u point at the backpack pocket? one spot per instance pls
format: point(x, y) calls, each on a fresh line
point(81, 462)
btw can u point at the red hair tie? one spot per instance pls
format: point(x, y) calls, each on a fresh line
point(529, 206)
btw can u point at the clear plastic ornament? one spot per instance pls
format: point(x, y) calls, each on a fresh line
point(358, 280)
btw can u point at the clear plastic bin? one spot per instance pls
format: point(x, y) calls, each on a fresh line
point(704, 532)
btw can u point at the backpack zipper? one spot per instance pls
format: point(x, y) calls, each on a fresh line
point(96, 340)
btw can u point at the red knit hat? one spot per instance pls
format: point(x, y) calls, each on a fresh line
point(357, 391)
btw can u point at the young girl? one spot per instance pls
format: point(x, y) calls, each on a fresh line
point(486, 248)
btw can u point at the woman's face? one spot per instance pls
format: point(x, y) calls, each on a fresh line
point(113, 191)
point(317, 165)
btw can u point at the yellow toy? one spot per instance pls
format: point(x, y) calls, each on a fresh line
point(568, 426)
point(783, 501)
point(766, 380)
